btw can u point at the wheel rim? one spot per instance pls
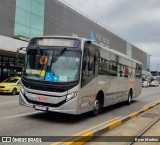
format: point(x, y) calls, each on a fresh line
point(96, 106)
point(129, 98)
point(14, 92)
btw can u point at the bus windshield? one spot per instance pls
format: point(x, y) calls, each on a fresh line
point(54, 65)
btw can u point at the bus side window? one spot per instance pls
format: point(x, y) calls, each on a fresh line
point(90, 67)
point(91, 64)
point(94, 64)
point(88, 64)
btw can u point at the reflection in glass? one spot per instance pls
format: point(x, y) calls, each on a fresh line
point(58, 66)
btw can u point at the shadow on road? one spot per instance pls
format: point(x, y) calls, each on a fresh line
point(117, 106)
point(7, 94)
point(71, 119)
point(58, 117)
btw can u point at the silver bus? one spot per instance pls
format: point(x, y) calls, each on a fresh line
point(74, 75)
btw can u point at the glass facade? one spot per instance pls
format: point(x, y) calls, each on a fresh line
point(129, 50)
point(29, 19)
point(8, 68)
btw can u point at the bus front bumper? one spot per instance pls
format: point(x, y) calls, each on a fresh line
point(69, 107)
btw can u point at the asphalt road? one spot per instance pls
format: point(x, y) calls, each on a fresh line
point(16, 120)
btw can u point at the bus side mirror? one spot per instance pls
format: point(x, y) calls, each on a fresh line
point(17, 54)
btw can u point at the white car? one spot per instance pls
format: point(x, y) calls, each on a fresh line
point(154, 83)
point(145, 84)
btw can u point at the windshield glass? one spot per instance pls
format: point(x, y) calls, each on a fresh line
point(11, 80)
point(58, 65)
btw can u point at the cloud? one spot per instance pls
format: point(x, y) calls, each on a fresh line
point(136, 20)
point(153, 49)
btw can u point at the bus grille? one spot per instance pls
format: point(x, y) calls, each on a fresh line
point(44, 104)
point(48, 89)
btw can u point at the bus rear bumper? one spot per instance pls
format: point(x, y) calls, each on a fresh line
point(67, 108)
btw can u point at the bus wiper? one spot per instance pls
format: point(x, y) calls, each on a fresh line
point(54, 59)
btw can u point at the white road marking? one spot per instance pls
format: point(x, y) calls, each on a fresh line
point(157, 101)
point(8, 103)
point(19, 115)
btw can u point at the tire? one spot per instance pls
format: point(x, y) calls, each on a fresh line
point(14, 91)
point(129, 101)
point(96, 108)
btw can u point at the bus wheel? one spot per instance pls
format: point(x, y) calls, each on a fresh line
point(129, 101)
point(14, 92)
point(96, 108)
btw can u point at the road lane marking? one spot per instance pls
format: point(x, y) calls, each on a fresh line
point(91, 128)
point(84, 131)
point(127, 134)
point(133, 114)
point(151, 103)
point(8, 103)
point(88, 136)
point(9, 117)
point(114, 124)
point(145, 109)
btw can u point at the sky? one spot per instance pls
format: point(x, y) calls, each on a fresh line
point(138, 21)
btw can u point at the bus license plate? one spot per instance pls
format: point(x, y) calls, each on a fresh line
point(40, 107)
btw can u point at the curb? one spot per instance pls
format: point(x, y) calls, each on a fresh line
point(93, 133)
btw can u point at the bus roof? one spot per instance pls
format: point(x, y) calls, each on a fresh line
point(58, 36)
point(93, 42)
point(115, 52)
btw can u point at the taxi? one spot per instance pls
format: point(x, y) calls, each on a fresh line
point(10, 85)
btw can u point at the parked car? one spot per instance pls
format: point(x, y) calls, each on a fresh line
point(154, 83)
point(10, 85)
point(145, 84)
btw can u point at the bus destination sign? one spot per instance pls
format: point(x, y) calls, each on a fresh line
point(57, 42)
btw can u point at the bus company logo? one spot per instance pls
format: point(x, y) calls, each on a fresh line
point(42, 99)
point(43, 60)
point(6, 139)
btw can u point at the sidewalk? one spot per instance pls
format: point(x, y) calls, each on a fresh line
point(133, 127)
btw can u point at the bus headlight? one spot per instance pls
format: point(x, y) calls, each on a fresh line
point(71, 96)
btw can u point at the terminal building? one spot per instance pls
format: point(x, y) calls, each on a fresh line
point(22, 19)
